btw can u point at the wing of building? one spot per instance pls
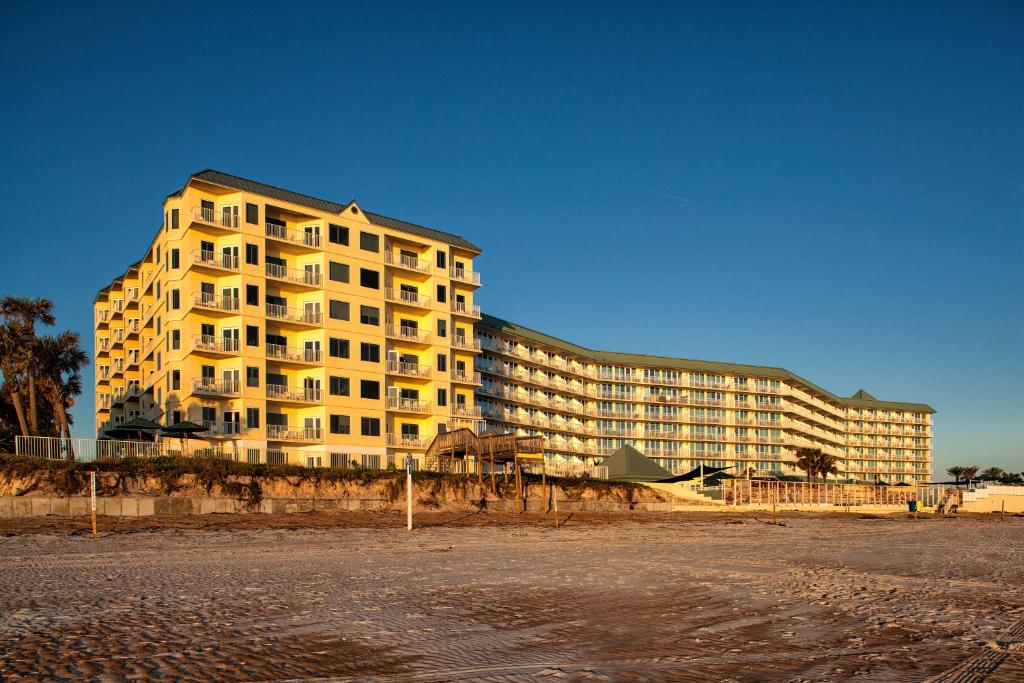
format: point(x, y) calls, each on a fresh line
point(303, 330)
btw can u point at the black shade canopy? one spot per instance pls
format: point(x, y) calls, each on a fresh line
point(183, 429)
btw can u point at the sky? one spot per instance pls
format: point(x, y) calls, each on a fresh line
point(834, 188)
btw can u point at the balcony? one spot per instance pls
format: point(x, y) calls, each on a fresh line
point(294, 276)
point(212, 302)
point(408, 405)
point(467, 276)
point(223, 430)
point(302, 238)
point(207, 343)
point(226, 217)
point(280, 392)
point(407, 262)
point(406, 297)
point(396, 367)
point(408, 441)
point(211, 259)
point(464, 309)
point(132, 327)
point(133, 391)
point(407, 333)
point(465, 411)
point(302, 316)
point(210, 387)
point(465, 343)
point(465, 377)
point(283, 433)
point(288, 354)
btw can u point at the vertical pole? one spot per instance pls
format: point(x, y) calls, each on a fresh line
point(554, 506)
point(92, 486)
point(775, 518)
point(408, 491)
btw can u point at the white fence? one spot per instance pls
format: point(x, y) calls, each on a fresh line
point(576, 469)
point(87, 450)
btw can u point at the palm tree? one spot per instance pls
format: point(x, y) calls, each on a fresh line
point(992, 473)
point(970, 473)
point(957, 472)
point(21, 315)
point(10, 366)
point(60, 376)
point(815, 462)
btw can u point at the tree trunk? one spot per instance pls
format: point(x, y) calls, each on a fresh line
point(65, 429)
point(16, 400)
point(33, 414)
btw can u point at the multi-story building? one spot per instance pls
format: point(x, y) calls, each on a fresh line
point(682, 413)
point(299, 329)
point(292, 328)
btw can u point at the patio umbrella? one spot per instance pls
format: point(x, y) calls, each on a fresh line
point(138, 426)
point(183, 430)
point(117, 433)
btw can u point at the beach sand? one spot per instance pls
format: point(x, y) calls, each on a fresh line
point(688, 596)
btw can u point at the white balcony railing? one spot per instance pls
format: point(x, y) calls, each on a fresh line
point(397, 367)
point(304, 238)
point(406, 261)
point(206, 257)
point(462, 308)
point(463, 275)
point(465, 377)
point(280, 392)
point(215, 387)
point(408, 441)
point(226, 217)
point(408, 333)
point(408, 405)
point(295, 315)
point(293, 354)
point(406, 296)
point(463, 342)
point(299, 276)
point(214, 302)
point(284, 433)
point(465, 411)
point(208, 342)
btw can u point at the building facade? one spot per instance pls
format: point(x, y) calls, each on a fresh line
point(292, 328)
point(301, 330)
point(683, 413)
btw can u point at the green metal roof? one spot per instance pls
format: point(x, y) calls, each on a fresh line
point(859, 400)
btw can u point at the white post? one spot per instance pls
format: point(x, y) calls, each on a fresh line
point(92, 486)
point(408, 491)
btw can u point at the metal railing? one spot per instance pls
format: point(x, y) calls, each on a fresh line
point(407, 297)
point(280, 392)
point(209, 342)
point(407, 332)
point(465, 411)
point(462, 308)
point(466, 377)
point(215, 387)
point(212, 301)
point(408, 441)
point(88, 450)
point(225, 218)
point(299, 276)
point(293, 354)
point(398, 367)
point(206, 257)
point(300, 237)
point(295, 315)
point(463, 342)
point(405, 261)
point(409, 405)
point(283, 433)
point(463, 275)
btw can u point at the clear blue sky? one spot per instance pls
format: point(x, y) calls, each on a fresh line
point(835, 188)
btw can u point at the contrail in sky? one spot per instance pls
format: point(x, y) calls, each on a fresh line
point(684, 200)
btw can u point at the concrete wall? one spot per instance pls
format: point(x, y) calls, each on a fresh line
point(143, 506)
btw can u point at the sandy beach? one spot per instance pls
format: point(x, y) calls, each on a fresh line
point(497, 597)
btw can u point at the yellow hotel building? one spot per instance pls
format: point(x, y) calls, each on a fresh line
point(301, 330)
point(293, 328)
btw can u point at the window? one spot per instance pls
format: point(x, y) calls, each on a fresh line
point(442, 397)
point(174, 219)
point(338, 234)
point(252, 418)
point(442, 362)
point(252, 335)
point(338, 348)
point(252, 295)
point(158, 253)
point(339, 309)
point(252, 254)
point(369, 388)
point(340, 424)
point(175, 259)
point(338, 272)
point(442, 294)
point(175, 299)
point(158, 291)
point(369, 278)
point(338, 386)
point(175, 380)
point(159, 360)
point(175, 339)
point(442, 259)
point(369, 315)
point(369, 242)
point(369, 352)
point(252, 214)
point(252, 376)
point(370, 426)
point(442, 328)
